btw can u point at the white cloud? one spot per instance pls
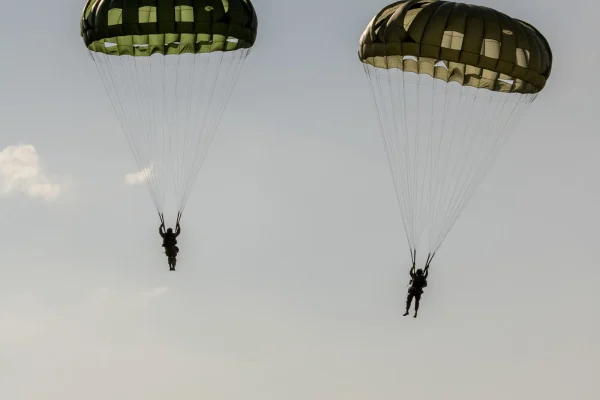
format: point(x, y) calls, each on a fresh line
point(135, 178)
point(21, 172)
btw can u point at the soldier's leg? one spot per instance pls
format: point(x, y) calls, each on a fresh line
point(408, 301)
point(417, 301)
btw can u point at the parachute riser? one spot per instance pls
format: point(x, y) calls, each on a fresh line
point(428, 262)
point(162, 218)
point(413, 259)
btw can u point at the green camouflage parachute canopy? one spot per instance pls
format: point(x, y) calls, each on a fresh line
point(146, 27)
point(472, 45)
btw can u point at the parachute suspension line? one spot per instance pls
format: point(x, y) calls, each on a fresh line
point(116, 68)
point(440, 139)
point(442, 180)
point(508, 111)
point(415, 204)
point(191, 177)
point(233, 73)
point(428, 261)
point(436, 163)
point(396, 111)
point(449, 185)
point(180, 91)
point(162, 218)
point(143, 74)
point(182, 156)
point(410, 166)
point(198, 81)
point(459, 197)
point(224, 84)
point(428, 98)
point(169, 108)
point(170, 133)
point(148, 126)
point(179, 113)
point(152, 184)
point(402, 172)
point(374, 81)
point(111, 82)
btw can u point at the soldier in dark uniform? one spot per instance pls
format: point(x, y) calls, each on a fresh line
point(417, 283)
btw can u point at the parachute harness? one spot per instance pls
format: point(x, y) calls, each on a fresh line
point(413, 257)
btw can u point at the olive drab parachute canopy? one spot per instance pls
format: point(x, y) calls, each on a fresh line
point(454, 42)
point(450, 83)
point(169, 67)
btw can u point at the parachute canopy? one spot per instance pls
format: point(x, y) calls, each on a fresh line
point(146, 27)
point(475, 46)
point(169, 67)
point(450, 83)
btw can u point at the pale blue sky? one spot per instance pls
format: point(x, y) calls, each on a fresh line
point(294, 262)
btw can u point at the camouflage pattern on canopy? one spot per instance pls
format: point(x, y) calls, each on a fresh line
point(146, 27)
point(472, 45)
